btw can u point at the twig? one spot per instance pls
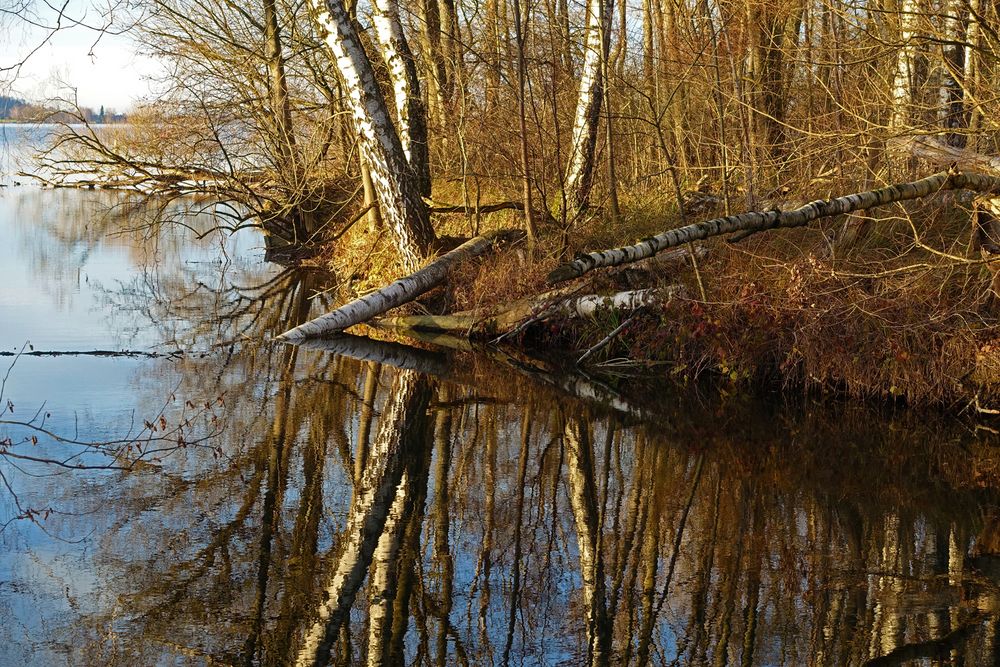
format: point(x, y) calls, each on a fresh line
point(607, 339)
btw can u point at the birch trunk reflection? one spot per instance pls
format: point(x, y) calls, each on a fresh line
point(401, 428)
point(582, 491)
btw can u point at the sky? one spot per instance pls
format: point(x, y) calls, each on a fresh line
point(74, 61)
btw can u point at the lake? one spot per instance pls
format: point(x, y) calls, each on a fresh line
point(176, 489)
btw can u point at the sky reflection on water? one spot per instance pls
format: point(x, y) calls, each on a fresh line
point(473, 515)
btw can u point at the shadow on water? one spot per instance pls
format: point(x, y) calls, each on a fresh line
point(379, 503)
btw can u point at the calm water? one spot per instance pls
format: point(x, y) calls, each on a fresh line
point(381, 503)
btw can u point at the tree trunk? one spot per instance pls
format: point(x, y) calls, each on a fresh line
point(774, 219)
point(943, 155)
point(435, 59)
point(402, 291)
point(401, 428)
point(280, 107)
point(519, 37)
point(766, 70)
point(582, 492)
point(382, 580)
point(952, 94)
point(904, 78)
point(579, 176)
point(410, 110)
point(538, 308)
point(399, 193)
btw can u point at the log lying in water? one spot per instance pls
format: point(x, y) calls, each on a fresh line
point(399, 292)
point(760, 221)
point(558, 303)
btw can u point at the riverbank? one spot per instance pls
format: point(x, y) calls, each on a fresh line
point(893, 303)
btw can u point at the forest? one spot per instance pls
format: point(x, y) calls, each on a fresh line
point(507, 332)
point(374, 139)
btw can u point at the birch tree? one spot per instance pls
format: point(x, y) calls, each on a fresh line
point(905, 73)
point(579, 176)
point(582, 492)
point(410, 111)
point(398, 191)
point(402, 427)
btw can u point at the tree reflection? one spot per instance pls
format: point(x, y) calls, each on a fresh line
point(369, 513)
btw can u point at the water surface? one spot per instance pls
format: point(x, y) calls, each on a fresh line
point(380, 504)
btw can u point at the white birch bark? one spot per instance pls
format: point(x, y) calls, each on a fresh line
point(373, 498)
point(886, 628)
point(973, 32)
point(951, 93)
point(382, 584)
point(402, 207)
point(410, 112)
point(396, 294)
point(579, 175)
point(760, 221)
point(534, 309)
point(903, 78)
point(582, 493)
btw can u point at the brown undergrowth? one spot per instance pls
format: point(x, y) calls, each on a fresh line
point(896, 306)
point(906, 312)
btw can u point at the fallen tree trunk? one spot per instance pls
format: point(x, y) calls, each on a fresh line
point(760, 221)
point(399, 292)
point(552, 304)
point(483, 209)
point(943, 155)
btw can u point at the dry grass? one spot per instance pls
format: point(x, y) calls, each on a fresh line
point(905, 312)
point(885, 318)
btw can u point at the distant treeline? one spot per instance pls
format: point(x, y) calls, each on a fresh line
point(15, 109)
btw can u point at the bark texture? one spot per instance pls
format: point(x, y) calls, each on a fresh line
point(542, 307)
point(399, 194)
point(410, 111)
point(401, 426)
point(396, 294)
point(579, 176)
point(903, 81)
point(760, 221)
point(582, 492)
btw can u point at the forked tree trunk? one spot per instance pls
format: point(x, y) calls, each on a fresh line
point(580, 174)
point(402, 207)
